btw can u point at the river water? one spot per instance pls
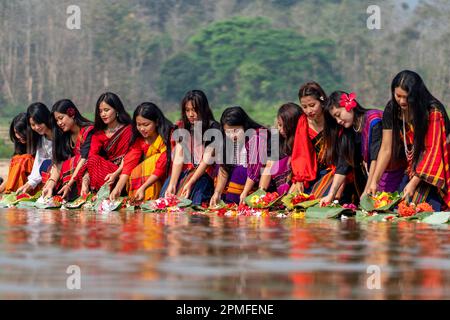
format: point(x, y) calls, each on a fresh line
point(178, 256)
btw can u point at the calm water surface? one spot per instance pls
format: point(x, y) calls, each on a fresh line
point(176, 256)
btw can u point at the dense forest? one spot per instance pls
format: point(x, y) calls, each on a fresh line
point(253, 53)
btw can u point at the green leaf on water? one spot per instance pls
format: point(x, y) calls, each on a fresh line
point(325, 212)
point(102, 194)
point(437, 218)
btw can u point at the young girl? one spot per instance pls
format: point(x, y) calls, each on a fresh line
point(39, 142)
point(311, 174)
point(242, 171)
point(352, 139)
point(415, 132)
point(72, 138)
point(21, 162)
point(110, 142)
point(191, 171)
point(280, 172)
point(151, 141)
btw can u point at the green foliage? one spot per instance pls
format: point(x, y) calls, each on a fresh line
point(6, 150)
point(246, 60)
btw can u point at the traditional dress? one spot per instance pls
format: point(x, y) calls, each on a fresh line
point(308, 165)
point(367, 146)
point(281, 175)
point(106, 154)
point(433, 167)
point(393, 176)
point(40, 172)
point(19, 169)
point(248, 163)
point(154, 163)
point(80, 151)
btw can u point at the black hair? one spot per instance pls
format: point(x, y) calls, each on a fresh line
point(312, 89)
point(41, 115)
point(19, 124)
point(340, 140)
point(150, 111)
point(201, 106)
point(290, 113)
point(236, 116)
point(420, 101)
point(61, 140)
point(114, 102)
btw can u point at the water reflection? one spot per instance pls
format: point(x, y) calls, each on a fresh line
point(135, 255)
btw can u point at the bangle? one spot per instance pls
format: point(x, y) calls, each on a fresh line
point(51, 180)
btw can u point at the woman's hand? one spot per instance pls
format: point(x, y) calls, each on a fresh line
point(297, 188)
point(372, 189)
point(47, 191)
point(215, 199)
point(140, 195)
point(326, 200)
point(186, 191)
point(111, 178)
point(242, 197)
point(409, 190)
point(171, 190)
point(24, 189)
point(114, 194)
point(66, 189)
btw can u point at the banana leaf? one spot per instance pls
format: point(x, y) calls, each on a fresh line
point(26, 205)
point(8, 200)
point(108, 206)
point(326, 212)
point(367, 203)
point(184, 202)
point(260, 193)
point(51, 203)
point(419, 216)
point(437, 218)
point(287, 201)
point(80, 201)
point(102, 194)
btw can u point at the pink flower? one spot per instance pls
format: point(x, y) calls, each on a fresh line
point(348, 101)
point(350, 206)
point(71, 112)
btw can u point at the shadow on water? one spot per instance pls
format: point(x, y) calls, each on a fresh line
point(174, 256)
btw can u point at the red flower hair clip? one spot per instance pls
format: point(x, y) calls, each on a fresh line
point(71, 112)
point(348, 101)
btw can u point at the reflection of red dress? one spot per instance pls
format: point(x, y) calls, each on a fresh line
point(106, 154)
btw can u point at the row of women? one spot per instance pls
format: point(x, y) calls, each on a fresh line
point(329, 146)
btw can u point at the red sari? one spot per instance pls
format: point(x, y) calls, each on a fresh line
point(106, 154)
point(68, 167)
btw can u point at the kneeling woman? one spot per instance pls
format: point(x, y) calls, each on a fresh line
point(22, 162)
point(352, 140)
point(277, 174)
point(191, 175)
point(110, 142)
point(72, 138)
point(417, 126)
point(151, 141)
point(241, 171)
point(39, 141)
point(310, 172)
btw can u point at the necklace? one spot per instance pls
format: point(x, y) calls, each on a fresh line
point(113, 130)
point(359, 127)
point(409, 153)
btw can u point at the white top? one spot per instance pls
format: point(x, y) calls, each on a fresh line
point(44, 152)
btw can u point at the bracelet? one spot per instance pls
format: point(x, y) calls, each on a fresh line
point(51, 180)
